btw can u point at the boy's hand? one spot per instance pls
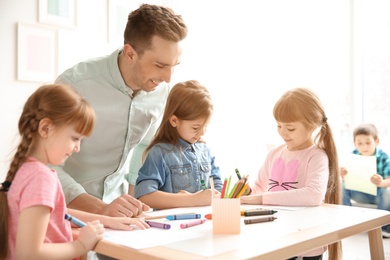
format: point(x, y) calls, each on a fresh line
point(343, 172)
point(376, 179)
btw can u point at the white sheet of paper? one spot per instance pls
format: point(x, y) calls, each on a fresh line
point(360, 169)
point(139, 239)
point(202, 235)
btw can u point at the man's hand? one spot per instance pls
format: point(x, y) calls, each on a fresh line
point(124, 206)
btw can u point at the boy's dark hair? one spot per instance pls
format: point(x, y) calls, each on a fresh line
point(366, 129)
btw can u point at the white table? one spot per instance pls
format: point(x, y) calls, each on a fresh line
point(294, 232)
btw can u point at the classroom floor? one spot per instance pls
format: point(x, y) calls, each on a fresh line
point(357, 247)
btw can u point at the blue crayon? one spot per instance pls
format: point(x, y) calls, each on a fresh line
point(75, 221)
point(183, 216)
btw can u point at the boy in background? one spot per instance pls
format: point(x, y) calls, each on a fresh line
point(365, 139)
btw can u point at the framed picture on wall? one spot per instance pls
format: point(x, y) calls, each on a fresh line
point(58, 12)
point(36, 53)
point(118, 10)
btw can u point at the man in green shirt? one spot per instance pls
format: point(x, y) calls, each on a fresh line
point(128, 91)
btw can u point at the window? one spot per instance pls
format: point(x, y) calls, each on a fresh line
point(372, 66)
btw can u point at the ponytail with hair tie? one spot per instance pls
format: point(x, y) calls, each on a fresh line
point(5, 186)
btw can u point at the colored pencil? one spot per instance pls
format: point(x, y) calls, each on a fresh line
point(242, 190)
point(223, 188)
point(227, 187)
point(240, 184)
point(232, 190)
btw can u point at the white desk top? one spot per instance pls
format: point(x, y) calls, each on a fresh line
point(295, 231)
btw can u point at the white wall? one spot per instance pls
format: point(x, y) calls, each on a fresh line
point(13, 93)
point(249, 52)
point(89, 39)
point(246, 52)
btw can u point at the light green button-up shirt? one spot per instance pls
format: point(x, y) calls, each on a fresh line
point(110, 158)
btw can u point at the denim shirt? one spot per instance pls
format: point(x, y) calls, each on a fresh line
point(171, 168)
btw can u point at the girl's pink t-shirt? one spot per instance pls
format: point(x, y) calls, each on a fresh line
point(293, 178)
point(35, 184)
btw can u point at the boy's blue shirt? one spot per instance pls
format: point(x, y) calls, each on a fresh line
point(382, 162)
point(171, 168)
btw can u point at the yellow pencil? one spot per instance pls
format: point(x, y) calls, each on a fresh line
point(242, 190)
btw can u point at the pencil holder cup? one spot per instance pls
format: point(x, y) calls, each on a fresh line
point(226, 216)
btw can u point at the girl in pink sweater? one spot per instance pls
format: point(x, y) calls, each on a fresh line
point(304, 171)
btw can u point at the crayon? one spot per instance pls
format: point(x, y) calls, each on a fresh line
point(183, 216)
point(75, 221)
point(192, 223)
point(259, 220)
point(149, 217)
point(258, 212)
point(158, 224)
point(243, 210)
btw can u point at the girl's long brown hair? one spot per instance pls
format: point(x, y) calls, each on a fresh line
point(63, 106)
point(303, 105)
point(187, 100)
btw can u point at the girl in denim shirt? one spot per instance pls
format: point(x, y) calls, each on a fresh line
point(178, 162)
